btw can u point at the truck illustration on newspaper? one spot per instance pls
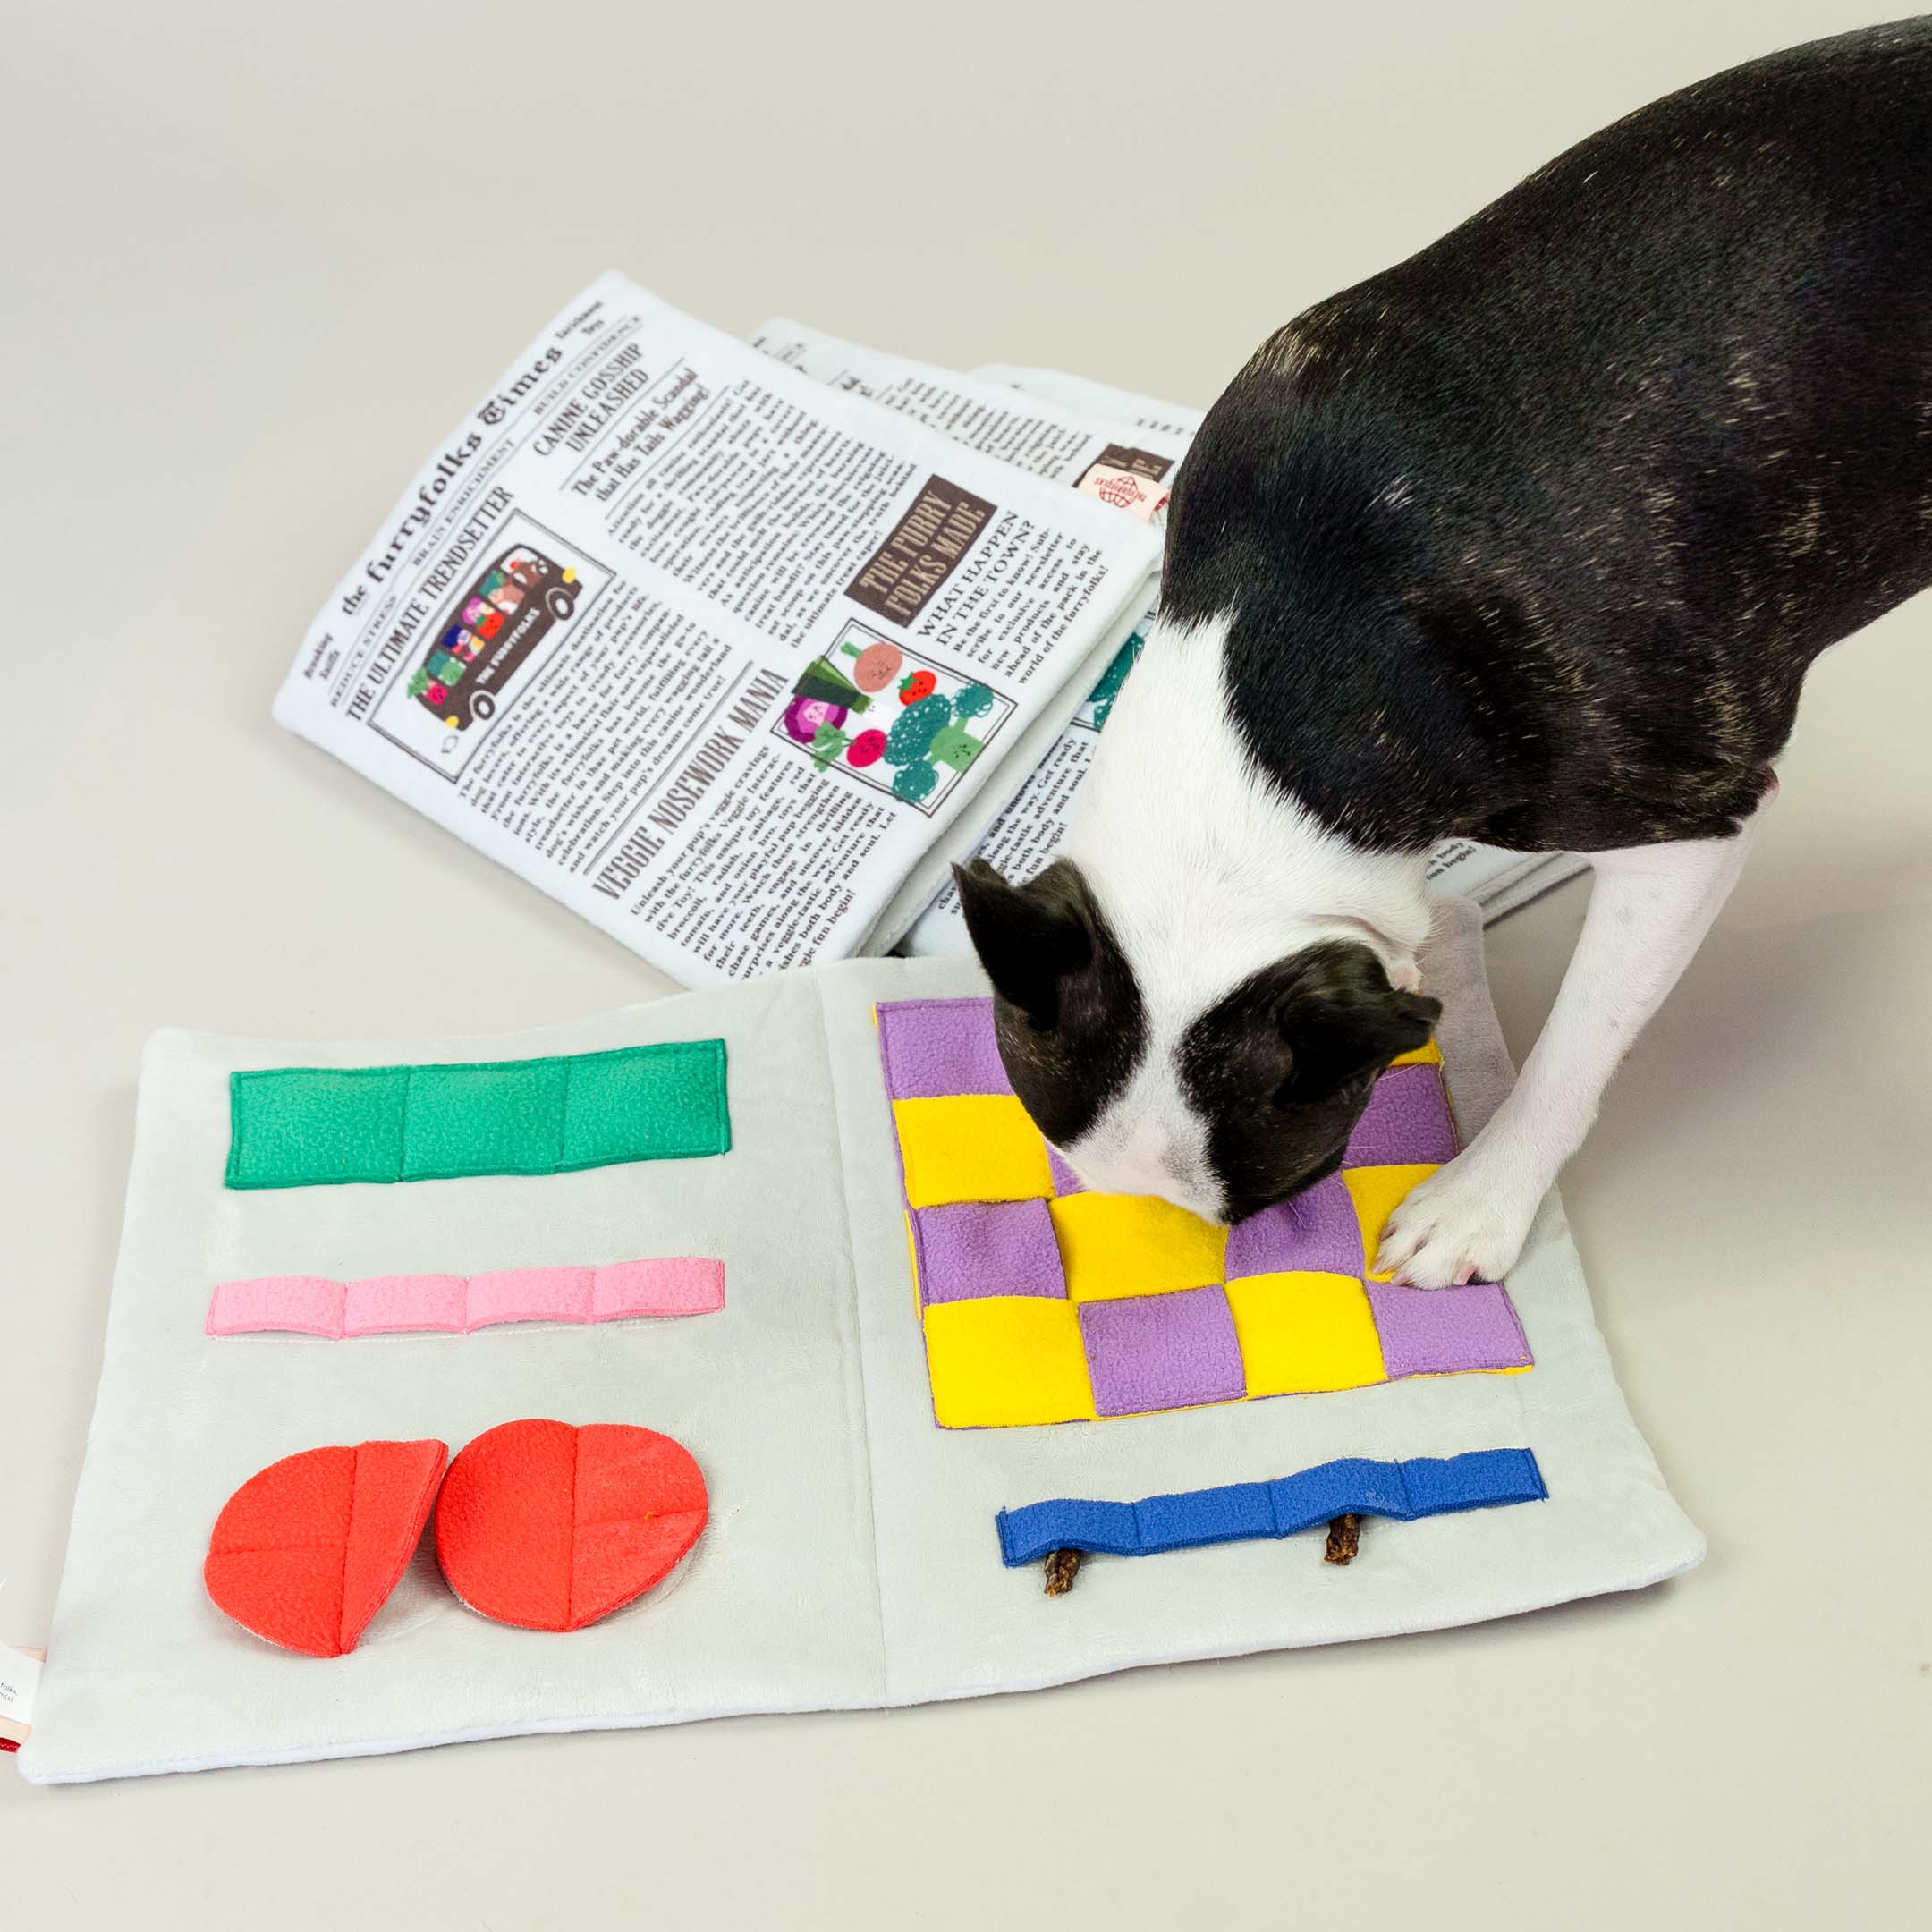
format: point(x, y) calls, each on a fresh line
point(503, 615)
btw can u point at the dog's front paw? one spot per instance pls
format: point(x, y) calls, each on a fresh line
point(1462, 1224)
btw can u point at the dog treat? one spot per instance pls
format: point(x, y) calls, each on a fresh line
point(550, 1528)
point(307, 1550)
point(1062, 1565)
point(1344, 1538)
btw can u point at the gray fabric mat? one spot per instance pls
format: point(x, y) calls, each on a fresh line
point(852, 1558)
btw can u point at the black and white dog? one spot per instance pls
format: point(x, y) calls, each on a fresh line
point(1529, 539)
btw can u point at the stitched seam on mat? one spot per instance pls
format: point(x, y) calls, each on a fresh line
point(570, 1583)
point(342, 1587)
point(851, 1274)
point(886, 1030)
point(920, 1274)
point(402, 1139)
point(276, 1549)
point(720, 1140)
point(1515, 1315)
point(236, 1116)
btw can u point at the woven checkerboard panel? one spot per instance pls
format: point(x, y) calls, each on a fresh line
point(1044, 1302)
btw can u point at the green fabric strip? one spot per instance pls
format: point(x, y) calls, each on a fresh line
point(320, 1126)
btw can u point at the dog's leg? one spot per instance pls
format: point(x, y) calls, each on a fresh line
point(1649, 908)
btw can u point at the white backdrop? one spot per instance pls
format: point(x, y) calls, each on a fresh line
point(215, 211)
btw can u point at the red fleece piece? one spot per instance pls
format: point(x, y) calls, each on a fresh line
point(307, 1550)
point(550, 1528)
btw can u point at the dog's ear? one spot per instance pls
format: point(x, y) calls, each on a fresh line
point(1028, 937)
point(1340, 1018)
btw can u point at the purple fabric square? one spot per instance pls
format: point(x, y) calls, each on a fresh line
point(1407, 1120)
point(1065, 1180)
point(1316, 1229)
point(1162, 1351)
point(971, 1249)
point(1444, 1331)
point(935, 1047)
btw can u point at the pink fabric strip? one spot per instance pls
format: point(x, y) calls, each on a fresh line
point(387, 1304)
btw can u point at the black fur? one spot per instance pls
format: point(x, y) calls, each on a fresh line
point(1067, 1011)
point(1282, 1068)
point(1532, 537)
point(1531, 540)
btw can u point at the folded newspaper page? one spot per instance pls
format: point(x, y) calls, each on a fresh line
point(1097, 398)
point(1128, 466)
point(714, 654)
point(1067, 444)
point(1074, 430)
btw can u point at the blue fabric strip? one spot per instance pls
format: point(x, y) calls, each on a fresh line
point(1423, 1486)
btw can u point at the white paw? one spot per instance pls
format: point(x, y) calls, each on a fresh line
point(1462, 1224)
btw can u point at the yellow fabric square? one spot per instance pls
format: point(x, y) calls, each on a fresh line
point(1002, 1360)
point(1130, 1244)
point(1429, 1056)
point(1376, 1191)
point(1304, 1332)
point(970, 1147)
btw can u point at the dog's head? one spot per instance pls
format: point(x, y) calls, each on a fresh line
point(1223, 1108)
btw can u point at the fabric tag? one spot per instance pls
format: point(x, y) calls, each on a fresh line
point(20, 1679)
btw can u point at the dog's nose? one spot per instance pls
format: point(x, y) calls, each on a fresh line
point(1178, 1183)
point(1198, 1201)
point(1155, 1164)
